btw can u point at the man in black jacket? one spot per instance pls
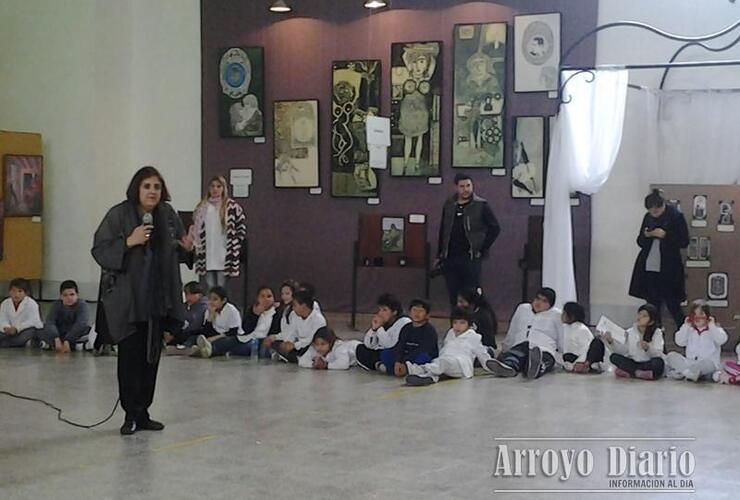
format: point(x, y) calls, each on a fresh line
point(466, 233)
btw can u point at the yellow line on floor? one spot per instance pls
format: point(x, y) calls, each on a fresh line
point(403, 391)
point(185, 444)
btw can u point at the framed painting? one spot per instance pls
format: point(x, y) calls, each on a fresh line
point(416, 97)
point(296, 143)
point(23, 185)
point(536, 52)
point(479, 76)
point(392, 239)
point(355, 96)
point(241, 97)
point(528, 172)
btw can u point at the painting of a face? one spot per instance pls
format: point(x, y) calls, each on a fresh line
point(419, 67)
point(344, 92)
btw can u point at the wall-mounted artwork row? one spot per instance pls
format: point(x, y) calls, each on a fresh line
point(355, 95)
point(241, 100)
point(479, 91)
point(296, 143)
point(416, 95)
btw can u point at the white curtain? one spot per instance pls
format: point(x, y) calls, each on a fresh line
point(690, 136)
point(584, 146)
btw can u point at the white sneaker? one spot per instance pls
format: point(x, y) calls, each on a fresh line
point(205, 347)
point(676, 375)
point(413, 369)
point(692, 374)
point(567, 366)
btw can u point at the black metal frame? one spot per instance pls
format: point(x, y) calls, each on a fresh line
point(691, 41)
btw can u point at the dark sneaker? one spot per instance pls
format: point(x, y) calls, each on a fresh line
point(419, 380)
point(128, 428)
point(500, 369)
point(149, 425)
point(534, 369)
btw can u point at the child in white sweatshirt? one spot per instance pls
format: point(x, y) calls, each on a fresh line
point(641, 354)
point(327, 352)
point(382, 336)
point(20, 320)
point(582, 353)
point(462, 346)
point(703, 340)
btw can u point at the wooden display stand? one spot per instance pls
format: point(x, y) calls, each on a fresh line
point(23, 243)
point(367, 251)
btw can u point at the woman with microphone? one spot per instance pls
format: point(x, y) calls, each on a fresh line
point(139, 246)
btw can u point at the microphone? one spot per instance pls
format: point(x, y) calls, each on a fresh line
point(148, 220)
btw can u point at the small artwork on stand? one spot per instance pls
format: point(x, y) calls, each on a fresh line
point(699, 211)
point(392, 234)
point(355, 96)
point(416, 96)
point(536, 52)
point(527, 176)
point(23, 185)
point(726, 222)
point(717, 286)
point(296, 144)
point(479, 93)
point(241, 108)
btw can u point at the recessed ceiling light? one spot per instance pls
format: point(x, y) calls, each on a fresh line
point(280, 7)
point(375, 4)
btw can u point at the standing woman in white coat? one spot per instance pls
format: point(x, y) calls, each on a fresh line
point(220, 229)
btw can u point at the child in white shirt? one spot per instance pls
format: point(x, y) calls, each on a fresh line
point(641, 355)
point(582, 353)
point(20, 320)
point(222, 320)
point(703, 340)
point(462, 346)
point(327, 352)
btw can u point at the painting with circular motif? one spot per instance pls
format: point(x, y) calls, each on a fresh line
point(241, 99)
point(536, 52)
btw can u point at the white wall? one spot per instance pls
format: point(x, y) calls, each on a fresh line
point(618, 207)
point(111, 85)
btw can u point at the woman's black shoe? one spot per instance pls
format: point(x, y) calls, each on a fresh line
point(149, 425)
point(128, 428)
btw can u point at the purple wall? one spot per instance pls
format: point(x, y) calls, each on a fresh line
point(293, 234)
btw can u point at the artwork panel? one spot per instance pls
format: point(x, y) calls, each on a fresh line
point(23, 183)
point(528, 170)
point(241, 94)
point(296, 144)
point(536, 52)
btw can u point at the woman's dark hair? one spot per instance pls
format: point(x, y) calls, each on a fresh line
point(654, 199)
point(220, 292)
point(263, 287)
point(701, 304)
point(21, 284)
point(326, 334)
point(193, 287)
point(574, 312)
point(475, 299)
point(68, 285)
point(132, 193)
point(292, 284)
point(548, 294)
point(461, 314)
point(655, 321)
point(305, 285)
point(391, 302)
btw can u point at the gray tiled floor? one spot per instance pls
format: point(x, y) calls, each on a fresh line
point(248, 429)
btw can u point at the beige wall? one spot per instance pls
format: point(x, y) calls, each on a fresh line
point(111, 85)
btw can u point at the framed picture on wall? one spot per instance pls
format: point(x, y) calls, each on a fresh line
point(717, 286)
point(416, 97)
point(23, 184)
point(699, 211)
point(241, 96)
point(726, 222)
point(479, 77)
point(296, 143)
point(528, 171)
point(355, 96)
point(393, 234)
point(536, 52)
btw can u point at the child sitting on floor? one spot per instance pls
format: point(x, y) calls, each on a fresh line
point(327, 352)
point(582, 352)
point(67, 321)
point(462, 346)
point(417, 342)
point(703, 340)
point(20, 320)
point(641, 354)
point(223, 320)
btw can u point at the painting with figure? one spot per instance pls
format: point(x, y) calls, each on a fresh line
point(416, 94)
point(527, 174)
point(726, 210)
point(23, 185)
point(392, 234)
point(355, 96)
point(717, 286)
point(700, 207)
point(296, 143)
point(536, 52)
point(479, 93)
point(241, 99)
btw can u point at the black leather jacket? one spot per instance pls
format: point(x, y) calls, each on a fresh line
point(481, 226)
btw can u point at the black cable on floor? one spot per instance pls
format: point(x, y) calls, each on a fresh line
point(59, 410)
